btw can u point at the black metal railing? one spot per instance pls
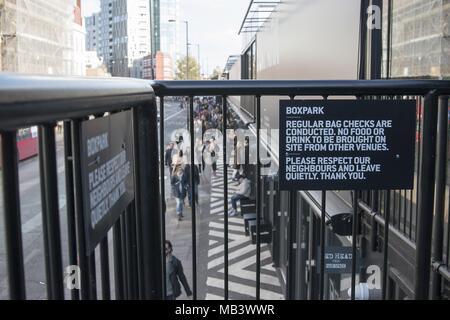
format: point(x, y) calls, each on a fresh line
point(409, 214)
point(43, 101)
point(138, 235)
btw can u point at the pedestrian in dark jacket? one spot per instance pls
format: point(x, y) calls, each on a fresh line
point(168, 157)
point(178, 182)
point(174, 275)
point(187, 172)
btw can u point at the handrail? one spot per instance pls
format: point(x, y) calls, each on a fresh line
point(300, 87)
point(29, 100)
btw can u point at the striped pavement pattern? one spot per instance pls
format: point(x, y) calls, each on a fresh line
point(241, 253)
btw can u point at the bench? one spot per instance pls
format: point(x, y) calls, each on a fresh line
point(247, 218)
point(247, 206)
point(265, 231)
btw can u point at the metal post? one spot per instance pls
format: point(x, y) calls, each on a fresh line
point(92, 277)
point(389, 40)
point(225, 192)
point(129, 253)
point(13, 229)
point(162, 185)
point(291, 250)
point(70, 205)
point(441, 173)
point(387, 217)
point(78, 201)
point(258, 198)
point(354, 232)
point(376, 46)
point(50, 211)
point(322, 246)
point(426, 197)
point(362, 40)
point(118, 270)
point(147, 195)
point(125, 256)
point(104, 265)
point(192, 182)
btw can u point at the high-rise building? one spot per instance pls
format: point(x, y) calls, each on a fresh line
point(41, 37)
point(93, 33)
point(166, 34)
point(120, 33)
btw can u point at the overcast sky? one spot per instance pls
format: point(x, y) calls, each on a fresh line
point(213, 24)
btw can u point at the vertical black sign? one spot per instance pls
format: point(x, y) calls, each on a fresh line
point(107, 171)
point(346, 144)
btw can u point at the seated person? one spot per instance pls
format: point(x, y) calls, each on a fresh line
point(243, 193)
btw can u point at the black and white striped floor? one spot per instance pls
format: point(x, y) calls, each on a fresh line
point(241, 253)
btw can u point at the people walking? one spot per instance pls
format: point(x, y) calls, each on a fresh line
point(187, 173)
point(174, 275)
point(179, 184)
point(168, 157)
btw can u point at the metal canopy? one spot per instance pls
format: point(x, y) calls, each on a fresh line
point(230, 62)
point(257, 14)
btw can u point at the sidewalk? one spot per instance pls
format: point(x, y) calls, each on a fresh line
point(210, 245)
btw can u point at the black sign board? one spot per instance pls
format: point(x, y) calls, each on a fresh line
point(347, 144)
point(338, 260)
point(107, 170)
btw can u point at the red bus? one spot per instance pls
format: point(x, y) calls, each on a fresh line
point(27, 142)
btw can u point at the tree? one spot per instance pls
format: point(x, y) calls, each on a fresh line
point(217, 73)
point(194, 69)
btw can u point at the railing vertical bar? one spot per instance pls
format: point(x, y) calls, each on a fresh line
point(404, 212)
point(387, 213)
point(134, 253)
point(192, 183)
point(48, 271)
point(322, 241)
point(125, 255)
point(70, 209)
point(410, 213)
point(138, 218)
point(322, 245)
point(291, 271)
point(426, 197)
point(78, 200)
point(118, 269)
point(225, 191)
point(129, 248)
point(104, 265)
point(396, 211)
point(148, 197)
point(448, 232)
point(441, 175)
point(162, 186)
point(354, 231)
point(92, 276)
point(418, 161)
point(50, 210)
point(258, 198)
point(13, 229)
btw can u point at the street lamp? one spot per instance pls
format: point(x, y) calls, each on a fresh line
point(187, 46)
